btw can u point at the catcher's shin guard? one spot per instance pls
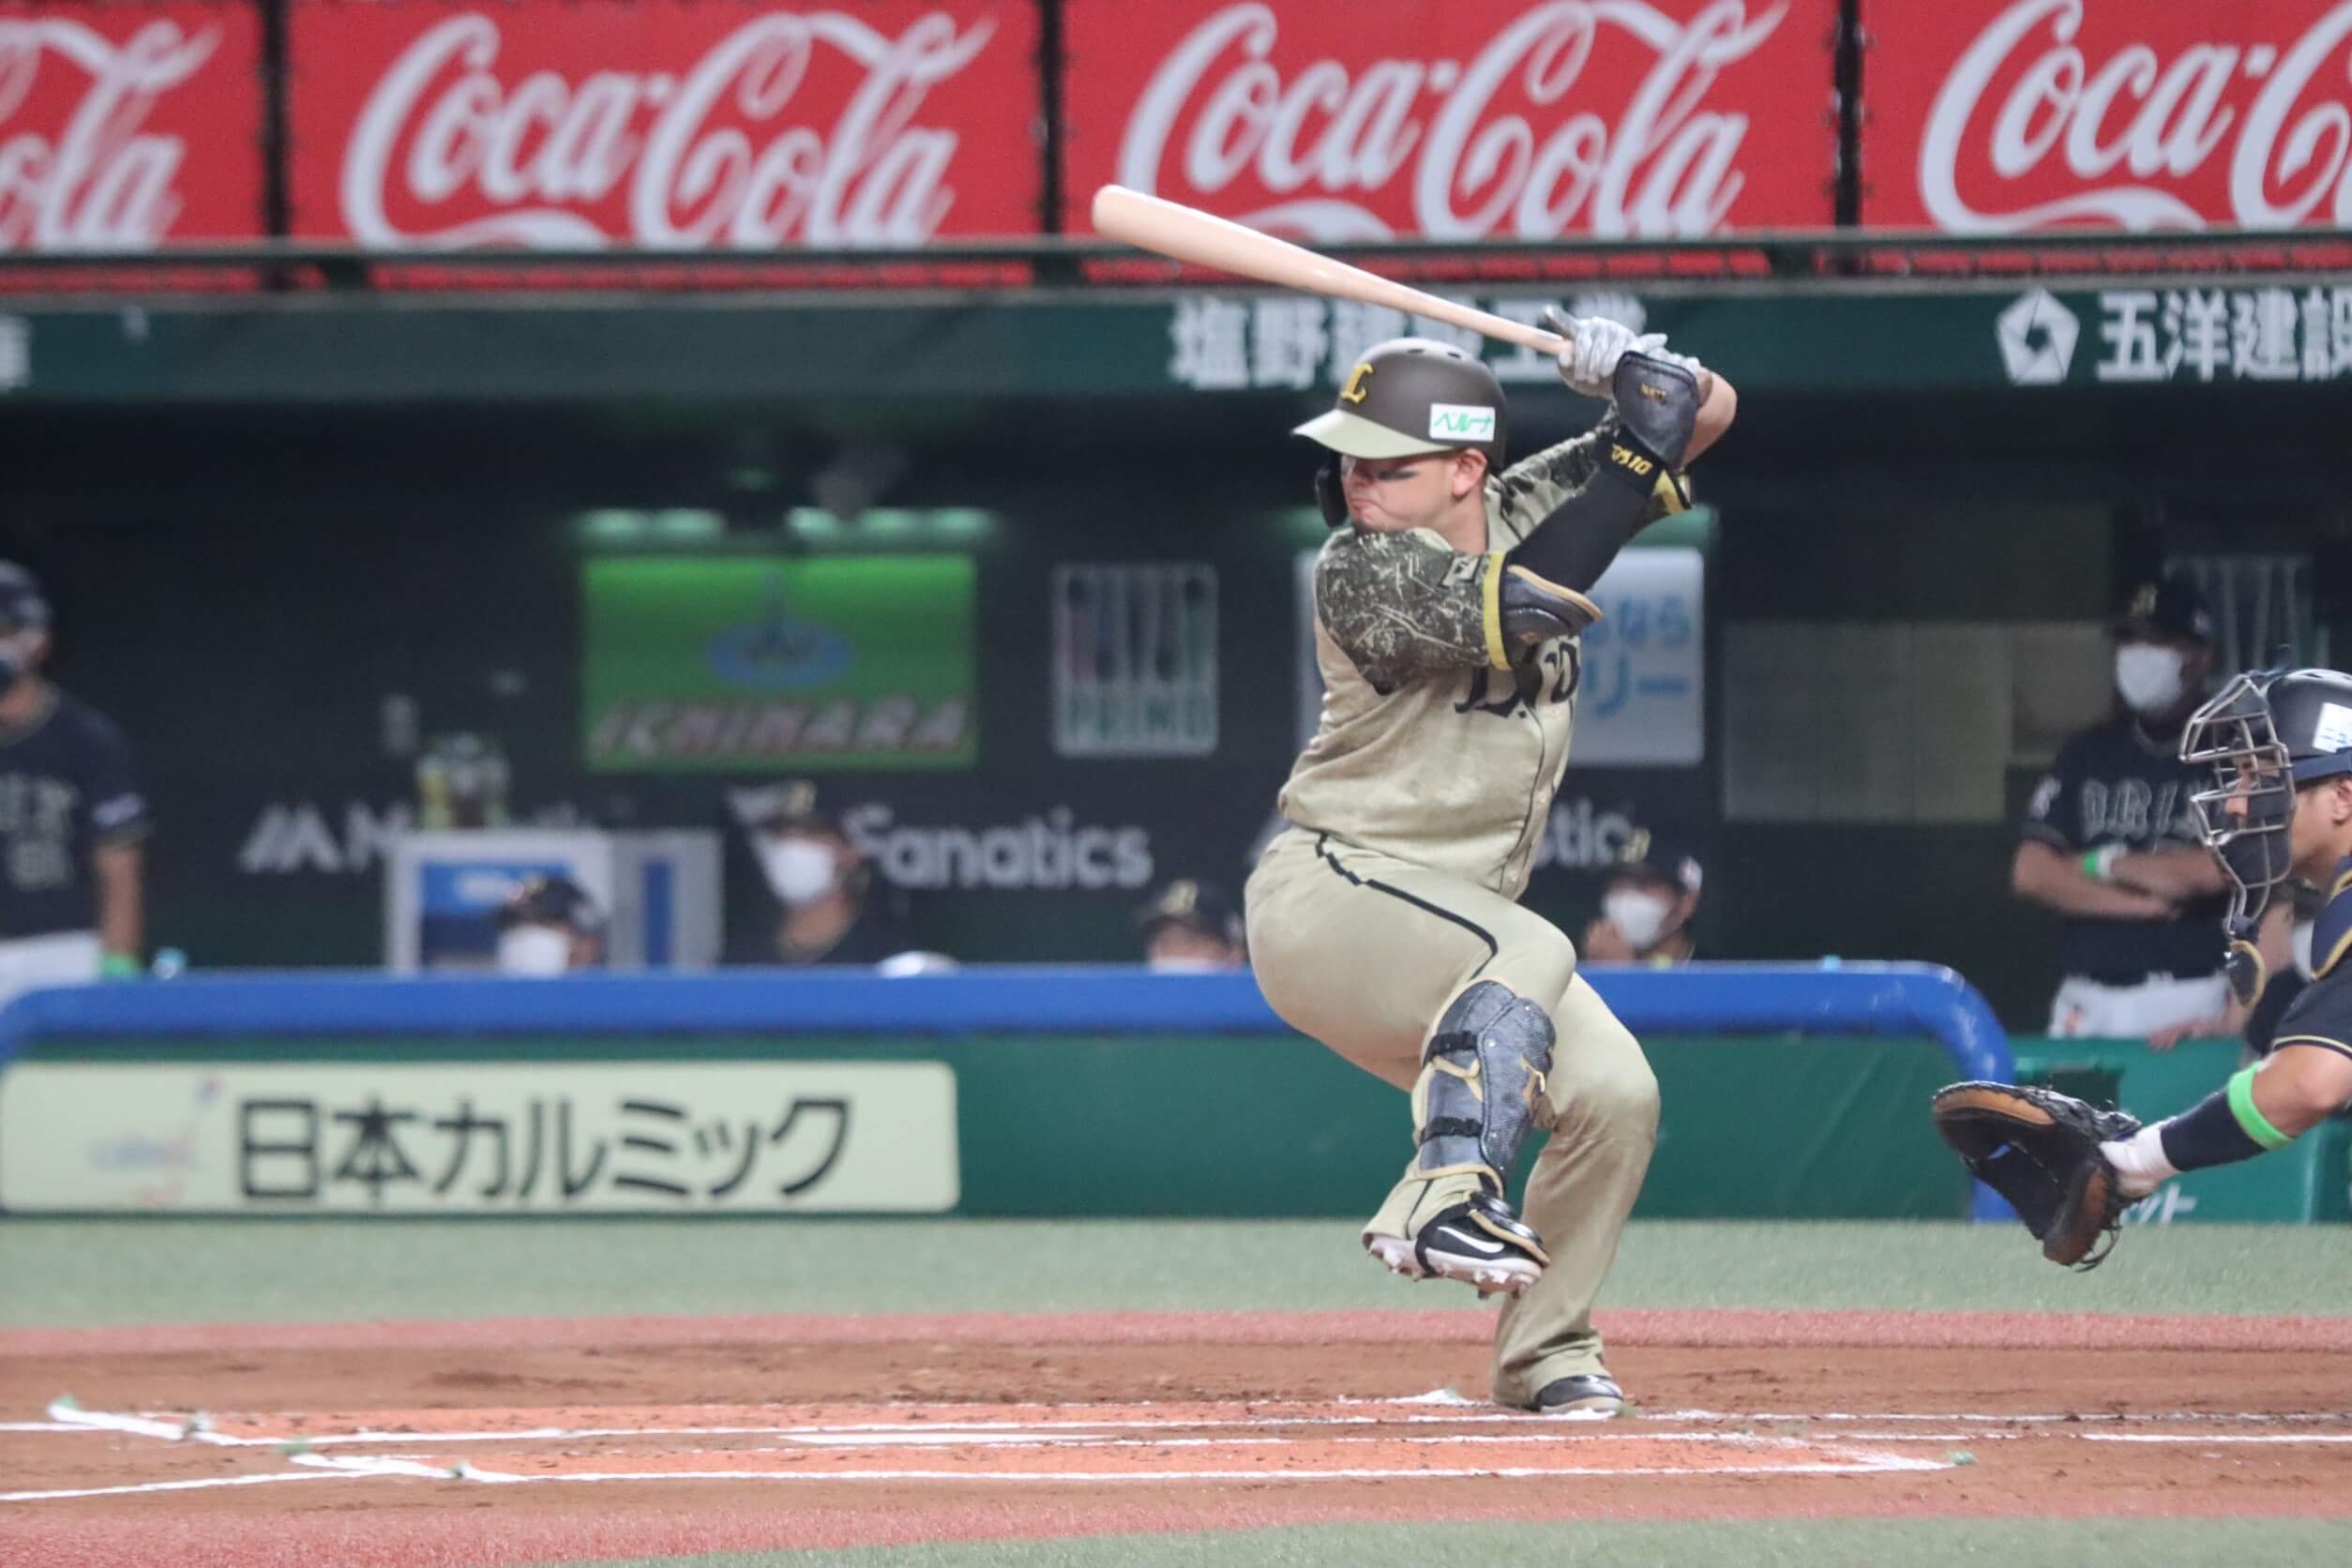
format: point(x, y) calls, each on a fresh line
point(1482, 1077)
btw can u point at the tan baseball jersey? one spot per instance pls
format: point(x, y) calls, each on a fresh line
point(1434, 746)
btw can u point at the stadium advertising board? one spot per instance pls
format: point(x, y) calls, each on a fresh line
point(127, 126)
point(475, 1137)
point(1469, 120)
point(1998, 116)
point(666, 123)
point(696, 664)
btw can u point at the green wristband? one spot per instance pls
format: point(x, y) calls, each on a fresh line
point(2256, 1125)
point(2090, 865)
point(119, 966)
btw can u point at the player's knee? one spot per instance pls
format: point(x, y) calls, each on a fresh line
point(1539, 964)
point(1619, 1102)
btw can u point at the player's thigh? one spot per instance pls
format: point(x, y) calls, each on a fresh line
point(1363, 952)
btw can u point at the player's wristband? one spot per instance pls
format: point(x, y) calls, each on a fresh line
point(2098, 865)
point(119, 966)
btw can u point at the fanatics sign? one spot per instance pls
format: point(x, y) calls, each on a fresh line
point(665, 124)
point(1465, 119)
point(124, 127)
point(2002, 116)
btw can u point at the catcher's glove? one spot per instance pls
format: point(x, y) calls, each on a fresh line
point(2040, 1150)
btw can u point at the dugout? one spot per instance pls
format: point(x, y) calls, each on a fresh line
point(1909, 555)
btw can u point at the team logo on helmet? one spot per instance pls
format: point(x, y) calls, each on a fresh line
point(1355, 391)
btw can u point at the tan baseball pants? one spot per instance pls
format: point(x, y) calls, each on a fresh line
point(1363, 952)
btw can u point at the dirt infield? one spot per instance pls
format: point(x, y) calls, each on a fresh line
point(393, 1445)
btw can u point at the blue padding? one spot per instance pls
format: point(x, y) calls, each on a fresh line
point(1705, 999)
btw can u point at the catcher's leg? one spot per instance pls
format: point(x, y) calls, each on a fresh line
point(1480, 1090)
point(1604, 1110)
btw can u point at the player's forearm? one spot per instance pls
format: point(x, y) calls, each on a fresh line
point(2046, 877)
point(2176, 875)
point(1716, 410)
point(121, 902)
point(2258, 1111)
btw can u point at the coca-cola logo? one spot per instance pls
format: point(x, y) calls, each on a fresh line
point(722, 152)
point(95, 178)
point(2130, 135)
point(1523, 138)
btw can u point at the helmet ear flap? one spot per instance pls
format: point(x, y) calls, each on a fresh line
point(1329, 497)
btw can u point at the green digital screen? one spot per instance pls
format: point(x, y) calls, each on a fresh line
point(692, 664)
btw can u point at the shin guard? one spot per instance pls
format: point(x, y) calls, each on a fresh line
point(1481, 1081)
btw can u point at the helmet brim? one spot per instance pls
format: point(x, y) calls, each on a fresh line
point(1354, 436)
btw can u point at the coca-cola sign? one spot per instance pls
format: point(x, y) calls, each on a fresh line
point(1458, 119)
point(666, 124)
point(1991, 116)
point(124, 127)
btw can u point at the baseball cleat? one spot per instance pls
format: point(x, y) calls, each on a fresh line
point(1479, 1242)
point(1590, 1393)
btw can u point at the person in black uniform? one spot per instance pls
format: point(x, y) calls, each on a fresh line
point(834, 911)
point(71, 821)
point(2277, 807)
point(2111, 843)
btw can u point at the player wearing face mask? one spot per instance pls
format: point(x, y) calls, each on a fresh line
point(1191, 927)
point(551, 926)
point(830, 907)
point(2110, 842)
point(1647, 908)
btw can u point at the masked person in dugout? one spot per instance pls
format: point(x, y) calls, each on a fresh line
point(833, 908)
point(549, 927)
point(2110, 842)
point(1647, 908)
point(1191, 925)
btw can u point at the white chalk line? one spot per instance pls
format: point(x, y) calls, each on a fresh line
point(163, 1487)
point(1861, 1464)
point(1107, 1433)
point(2205, 1440)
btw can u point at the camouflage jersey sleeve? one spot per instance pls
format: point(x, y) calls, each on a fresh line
point(1532, 489)
point(1405, 605)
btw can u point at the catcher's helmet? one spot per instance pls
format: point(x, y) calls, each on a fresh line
point(2265, 734)
point(1406, 396)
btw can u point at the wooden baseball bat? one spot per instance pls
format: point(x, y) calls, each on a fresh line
point(1188, 234)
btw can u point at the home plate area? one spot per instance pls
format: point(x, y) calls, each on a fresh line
point(1433, 1437)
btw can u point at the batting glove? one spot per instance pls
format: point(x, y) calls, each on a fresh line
point(1594, 344)
point(1589, 362)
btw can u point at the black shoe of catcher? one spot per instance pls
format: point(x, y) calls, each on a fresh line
point(1479, 1242)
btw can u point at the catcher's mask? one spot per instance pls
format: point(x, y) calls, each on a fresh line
point(2243, 816)
point(2265, 734)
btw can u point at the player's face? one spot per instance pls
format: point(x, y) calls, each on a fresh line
point(1389, 495)
point(2318, 833)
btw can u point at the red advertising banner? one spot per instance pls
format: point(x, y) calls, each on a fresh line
point(1333, 120)
point(127, 126)
point(666, 123)
point(2002, 116)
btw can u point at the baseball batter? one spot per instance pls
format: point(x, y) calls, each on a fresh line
point(1384, 920)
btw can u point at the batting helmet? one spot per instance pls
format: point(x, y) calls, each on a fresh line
point(1406, 396)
